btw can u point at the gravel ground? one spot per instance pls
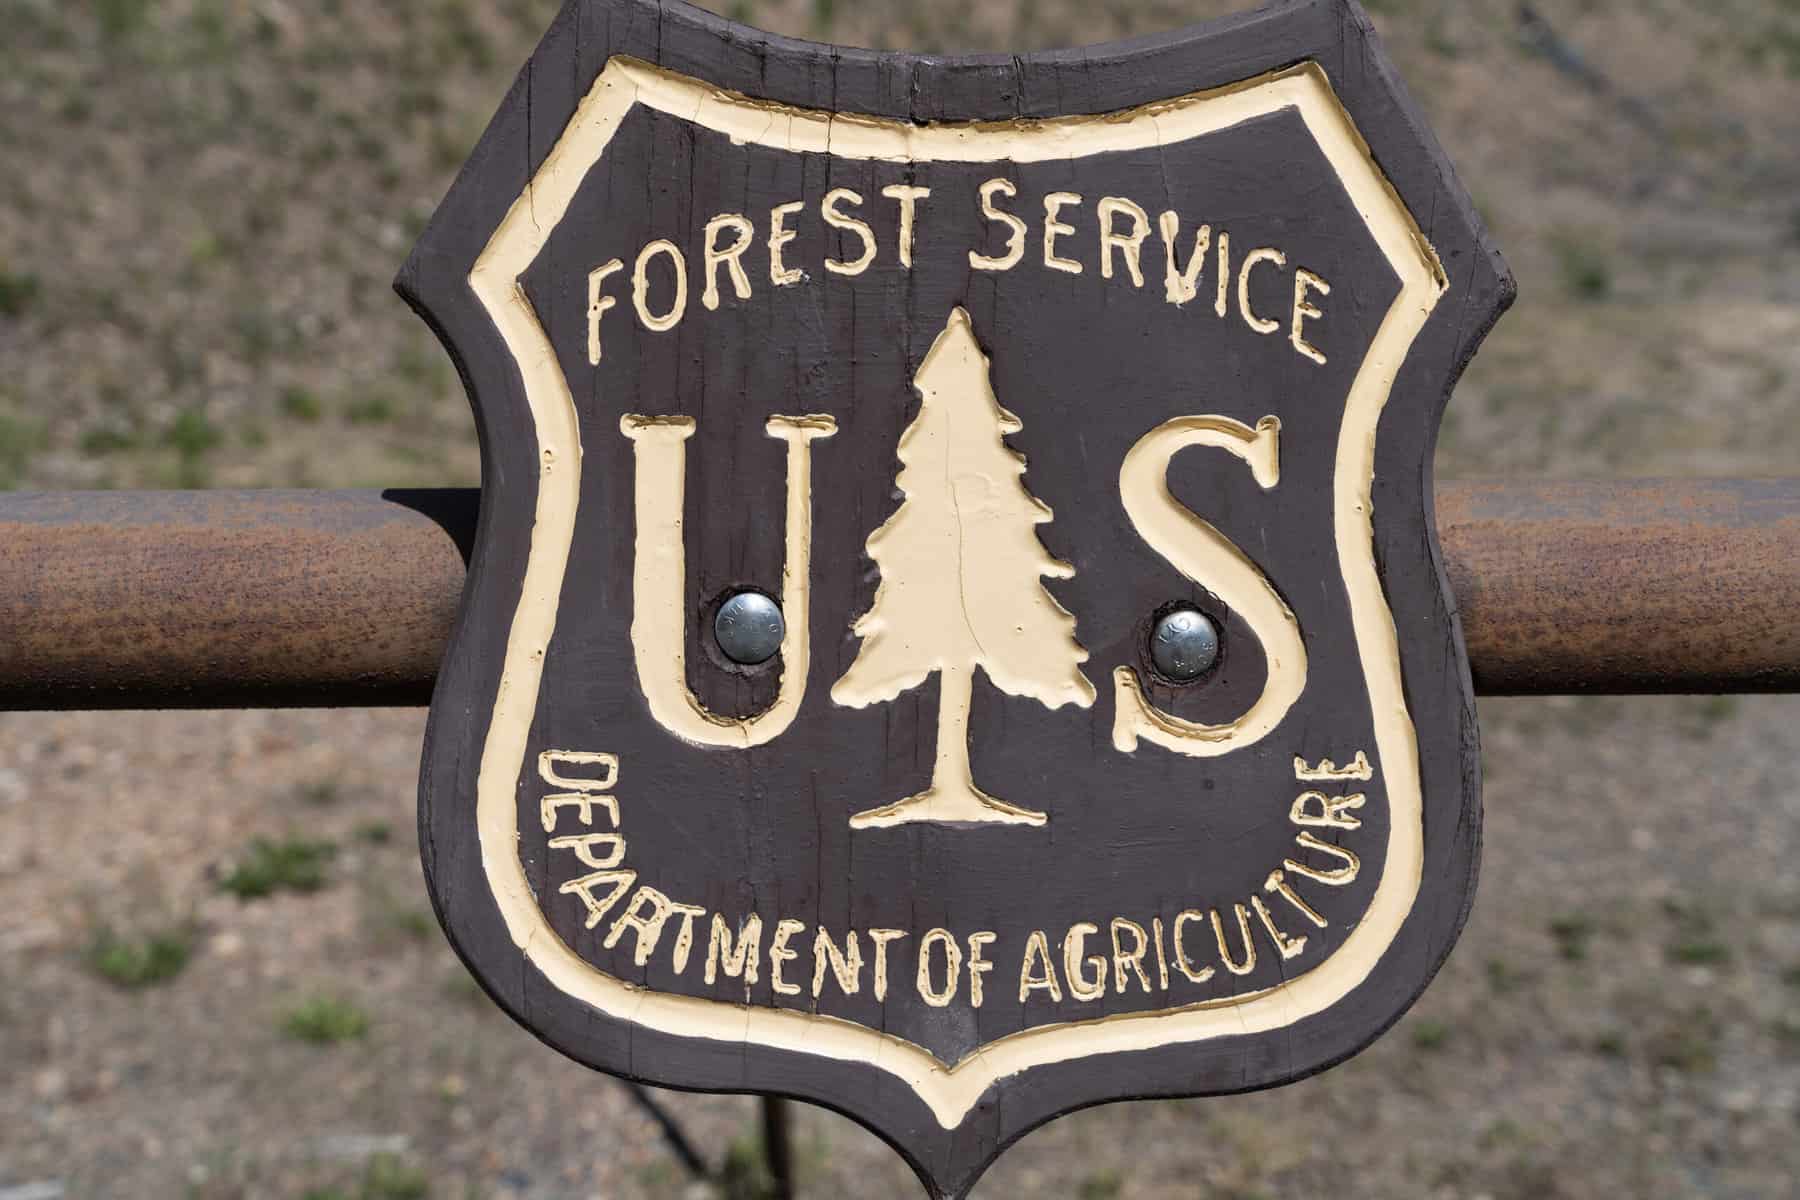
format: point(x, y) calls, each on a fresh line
point(1619, 1018)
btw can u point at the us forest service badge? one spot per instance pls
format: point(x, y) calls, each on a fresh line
point(956, 631)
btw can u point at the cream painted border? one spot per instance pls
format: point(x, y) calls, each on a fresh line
point(522, 234)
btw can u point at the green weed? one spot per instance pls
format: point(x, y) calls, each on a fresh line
point(1776, 48)
point(390, 1179)
point(1572, 934)
point(1699, 951)
point(1582, 268)
point(267, 867)
point(388, 917)
point(1430, 1035)
point(375, 409)
point(421, 366)
point(1504, 978)
point(192, 436)
point(1101, 1185)
point(375, 833)
point(18, 292)
point(745, 1174)
point(1690, 1045)
point(659, 1177)
point(19, 440)
point(1695, 943)
point(325, 1021)
point(108, 440)
point(119, 19)
point(140, 962)
point(1709, 712)
point(460, 986)
point(301, 405)
point(260, 334)
point(76, 108)
point(1503, 1133)
point(415, 923)
point(210, 27)
point(208, 248)
point(463, 38)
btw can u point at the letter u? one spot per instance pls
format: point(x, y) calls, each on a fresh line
point(659, 580)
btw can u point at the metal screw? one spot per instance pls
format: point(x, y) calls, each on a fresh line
point(1185, 644)
point(749, 628)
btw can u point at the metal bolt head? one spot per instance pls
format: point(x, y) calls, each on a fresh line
point(1185, 644)
point(749, 628)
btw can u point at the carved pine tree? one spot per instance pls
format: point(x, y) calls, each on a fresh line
point(961, 583)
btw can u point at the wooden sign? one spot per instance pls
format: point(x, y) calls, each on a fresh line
point(956, 631)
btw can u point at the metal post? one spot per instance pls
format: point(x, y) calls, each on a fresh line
point(778, 1146)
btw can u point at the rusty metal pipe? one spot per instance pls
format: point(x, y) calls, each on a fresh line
point(1639, 586)
point(227, 599)
point(288, 598)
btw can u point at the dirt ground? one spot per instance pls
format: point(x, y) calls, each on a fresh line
point(218, 974)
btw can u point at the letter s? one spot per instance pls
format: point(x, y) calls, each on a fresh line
point(1209, 558)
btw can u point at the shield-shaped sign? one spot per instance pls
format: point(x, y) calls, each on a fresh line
point(955, 632)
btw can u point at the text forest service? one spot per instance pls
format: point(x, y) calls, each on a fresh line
point(970, 373)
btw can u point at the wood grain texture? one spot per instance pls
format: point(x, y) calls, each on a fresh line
point(591, 850)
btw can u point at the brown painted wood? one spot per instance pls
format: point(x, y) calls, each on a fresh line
point(604, 792)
